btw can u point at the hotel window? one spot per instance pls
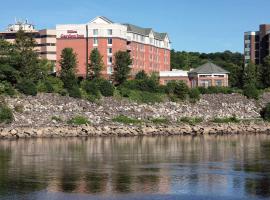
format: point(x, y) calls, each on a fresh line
point(142, 38)
point(218, 83)
point(109, 51)
point(95, 42)
point(110, 60)
point(95, 32)
point(110, 41)
point(109, 31)
point(205, 83)
point(151, 40)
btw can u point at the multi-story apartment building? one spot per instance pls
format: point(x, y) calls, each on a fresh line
point(45, 39)
point(257, 44)
point(149, 50)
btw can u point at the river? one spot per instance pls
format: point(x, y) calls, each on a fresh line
point(175, 167)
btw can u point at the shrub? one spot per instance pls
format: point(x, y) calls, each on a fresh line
point(74, 92)
point(181, 90)
point(45, 86)
point(7, 89)
point(265, 112)
point(170, 87)
point(216, 90)
point(126, 120)
point(6, 115)
point(56, 83)
point(51, 84)
point(90, 88)
point(78, 120)
point(27, 87)
point(191, 120)
point(232, 119)
point(251, 92)
point(19, 108)
point(63, 92)
point(141, 75)
point(177, 88)
point(203, 90)
point(124, 92)
point(149, 85)
point(106, 88)
point(194, 94)
point(160, 120)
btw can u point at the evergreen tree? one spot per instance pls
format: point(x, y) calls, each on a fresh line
point(122, 66)
point(96, 64)
point(24, 57)
point(265, 72)
point(250, 74)
point(7, 72)
point(68, 63)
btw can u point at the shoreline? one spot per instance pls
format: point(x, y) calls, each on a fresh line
point(132, 131)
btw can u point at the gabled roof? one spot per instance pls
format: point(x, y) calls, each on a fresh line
point(103, 18)
point(145, 31)
point(209, 68)
point(160, 36)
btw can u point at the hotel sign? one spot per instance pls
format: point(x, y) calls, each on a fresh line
point(71, 34)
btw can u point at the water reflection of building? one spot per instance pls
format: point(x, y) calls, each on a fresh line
point(147, 165)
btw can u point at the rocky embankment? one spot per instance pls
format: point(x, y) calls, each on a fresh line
point(128, 131)
point(35, 116)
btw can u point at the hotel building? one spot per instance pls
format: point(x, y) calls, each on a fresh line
point(45, 39)
point(257, 44)
point(149, 50)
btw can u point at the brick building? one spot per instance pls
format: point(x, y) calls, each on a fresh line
point(257, 44)
point(149, 50)
point(206, 75)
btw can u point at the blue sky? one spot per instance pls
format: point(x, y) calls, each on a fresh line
point(193, 25)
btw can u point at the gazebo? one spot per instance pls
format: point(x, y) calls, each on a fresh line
point(208, 75)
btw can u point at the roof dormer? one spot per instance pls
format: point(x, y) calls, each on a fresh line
point(100, 20)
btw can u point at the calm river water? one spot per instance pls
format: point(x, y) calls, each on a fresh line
point(178, 167)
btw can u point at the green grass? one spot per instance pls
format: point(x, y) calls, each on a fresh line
point(160, 120)
point(6, 115)
point(191, 120)
point(225, 120)
point(56, 118)
point(78, 120)
point(126, 120)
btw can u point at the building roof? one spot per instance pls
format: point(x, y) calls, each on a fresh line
point(103, 18)
point(145, 31)
point(173, 73)
point(209, 68)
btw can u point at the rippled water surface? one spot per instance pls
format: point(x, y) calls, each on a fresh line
point(231, 167)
